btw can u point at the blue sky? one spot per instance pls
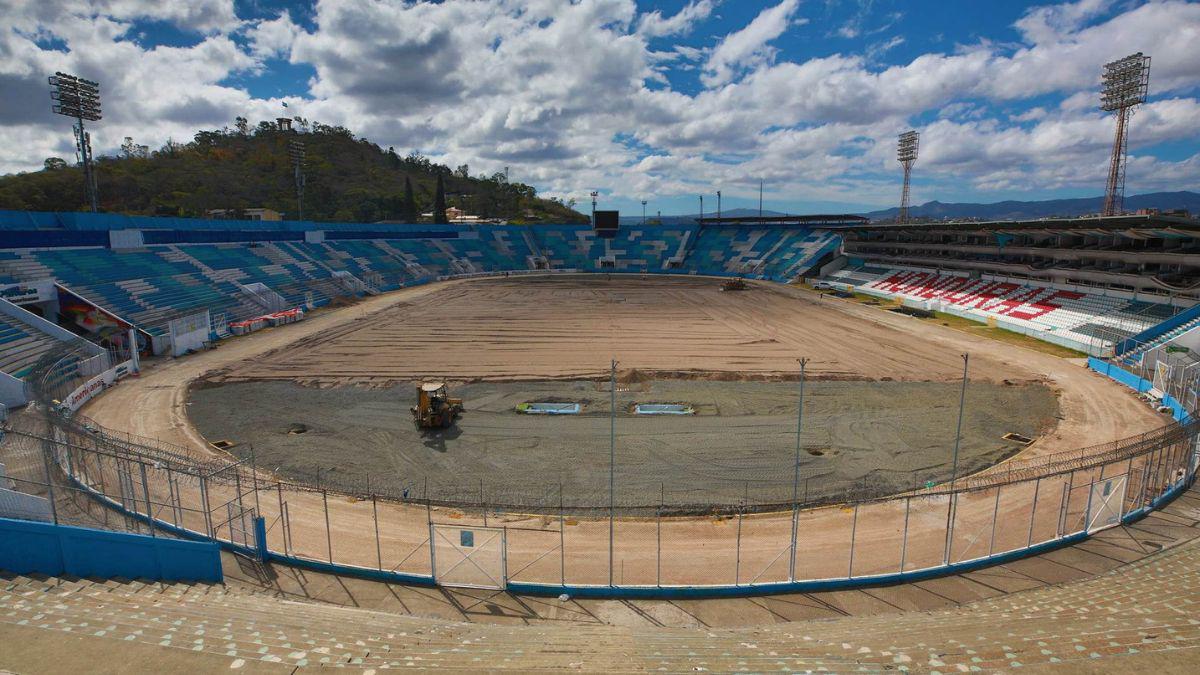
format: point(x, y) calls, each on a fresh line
point(660, 101)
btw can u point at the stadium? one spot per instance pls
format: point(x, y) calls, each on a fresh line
point(292, 444)
point(375, 438)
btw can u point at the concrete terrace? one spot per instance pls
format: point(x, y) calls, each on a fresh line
point(1124, 599)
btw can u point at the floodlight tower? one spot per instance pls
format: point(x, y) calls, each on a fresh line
point(79, 98)
point(595, 193)
point(296, 151)
point(906, 152)
point(1125, 84)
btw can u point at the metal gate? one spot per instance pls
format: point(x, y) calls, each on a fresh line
point(1106, 503)
point(470, 557)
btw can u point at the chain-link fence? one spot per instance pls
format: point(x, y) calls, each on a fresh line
point(465, 535)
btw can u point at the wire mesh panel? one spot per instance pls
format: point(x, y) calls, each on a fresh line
point(403, 538)
point(823, 541)
point(766, 548)
point(467, 556)
point(973, 522)
point(925, 540)
point(1105, 503)
point(534, 550)
point(878, 538)
point(699, 551)
point(1075, 513)
point(635, 552)
point(1014, 513)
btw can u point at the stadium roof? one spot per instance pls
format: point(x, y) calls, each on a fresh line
point(1098, 224)
point(819, 220)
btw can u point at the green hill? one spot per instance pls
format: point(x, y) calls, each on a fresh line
point(347, 179)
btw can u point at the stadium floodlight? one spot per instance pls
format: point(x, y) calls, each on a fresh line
point(78, 98)
point(1126, 82)
point(296, 151)
point(594, 194)
point(906, 153)
point(643, 212)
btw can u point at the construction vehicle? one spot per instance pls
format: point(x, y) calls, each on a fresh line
point(736, 284)
point(435, 409)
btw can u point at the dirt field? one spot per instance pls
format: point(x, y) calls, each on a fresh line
point(869, 437)
point(842, 338)
point(570, 327)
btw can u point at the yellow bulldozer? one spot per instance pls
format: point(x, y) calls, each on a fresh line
point(435, 409)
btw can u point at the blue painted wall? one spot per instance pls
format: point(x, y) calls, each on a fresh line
point(1137, 384)
point(30, 547)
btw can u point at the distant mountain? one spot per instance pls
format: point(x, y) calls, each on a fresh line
point(690, 219)
point(1014, 210)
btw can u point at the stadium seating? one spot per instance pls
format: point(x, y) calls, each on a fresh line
point(776, 253)
point(151, 285)
point(21, 346)
point(1084, 318)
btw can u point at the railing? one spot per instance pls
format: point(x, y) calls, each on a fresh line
point(422, 535)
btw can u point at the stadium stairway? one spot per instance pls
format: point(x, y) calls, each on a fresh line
point(1134, 356)
point(1108, 620)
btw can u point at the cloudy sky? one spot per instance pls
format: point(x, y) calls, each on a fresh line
point(641, 100)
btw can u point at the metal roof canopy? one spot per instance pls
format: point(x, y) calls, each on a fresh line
point(827, 220)
point(1086, 225)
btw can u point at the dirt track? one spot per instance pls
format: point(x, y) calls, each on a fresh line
point(841, 337)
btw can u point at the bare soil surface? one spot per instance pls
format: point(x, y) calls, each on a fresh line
point(841, 336)
point(863, 437)
point(569, 327)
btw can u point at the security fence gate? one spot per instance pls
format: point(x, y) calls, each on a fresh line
point(469, 557)
point(1106, 503)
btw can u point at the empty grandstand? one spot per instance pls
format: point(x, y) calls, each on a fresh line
point(1089, 284)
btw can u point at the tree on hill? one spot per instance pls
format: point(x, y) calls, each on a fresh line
point(347, 179)
point(439, 202)
point(410, 212)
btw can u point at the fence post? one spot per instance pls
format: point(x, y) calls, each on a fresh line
point(562, 540)
point(995, 513)
point(208, 525)
point(279, 493)
point(737, 561)
point(1087, 510)
point(1063, 505)
point(1037, 490)
point(328, 532)
point(953, 501)
point(49, 480)
point(853, 534)
point(146, 492)
point(375, 519)
point(254, 481)
point(658, 543)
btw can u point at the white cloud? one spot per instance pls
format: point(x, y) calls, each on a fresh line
point(273, 38)
point(654, 24)
point(1049, 22)
point(570, 95)
point(749, 46)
